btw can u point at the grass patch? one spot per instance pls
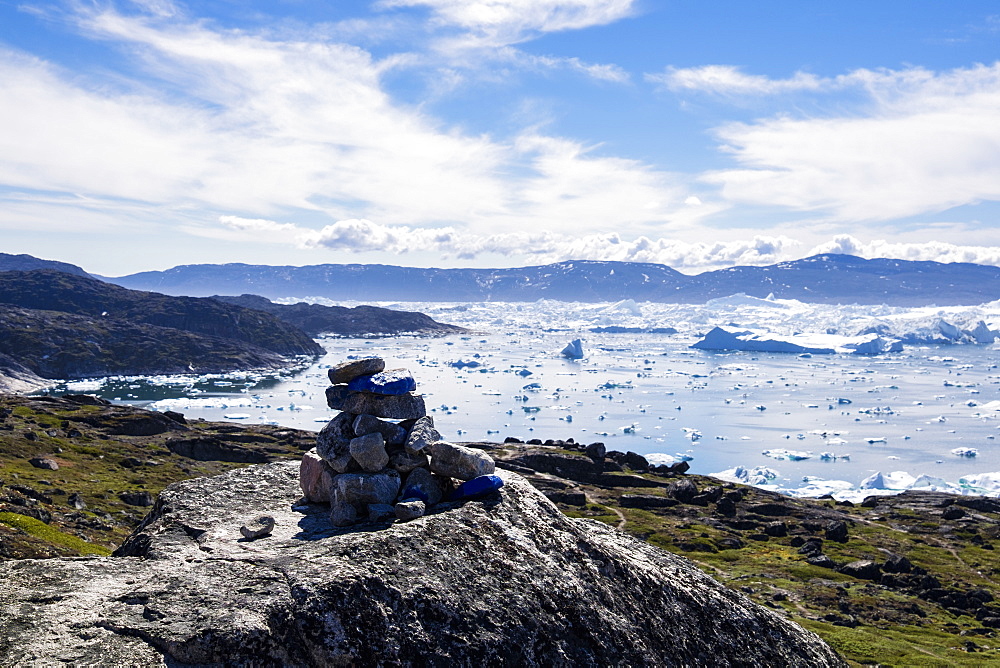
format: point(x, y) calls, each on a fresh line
point(43, 531)
point(904, 646)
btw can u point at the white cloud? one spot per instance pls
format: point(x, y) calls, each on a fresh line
point(511, 21)
point(927, 143)
point(362, 236)
point(934, 251)
point(731, 80)
point(238, 124)
point(609, 73)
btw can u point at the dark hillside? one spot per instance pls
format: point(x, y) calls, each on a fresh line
point(25, 262)
point(56, 291)
point(316, 319)
point(53, 344)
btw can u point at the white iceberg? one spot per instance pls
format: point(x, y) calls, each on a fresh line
point(757, 476)
point(734, 338)
point(790, 455)
point(896, 480)
point(573, 350)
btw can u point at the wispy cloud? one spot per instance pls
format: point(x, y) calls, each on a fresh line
point(500, 22)
point(731, 80)
point(922, 142)
point(237, 123)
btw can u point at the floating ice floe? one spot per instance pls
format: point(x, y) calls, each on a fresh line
point(657, 458)
point(734, 338)
point(965, 452)
point(789, 455)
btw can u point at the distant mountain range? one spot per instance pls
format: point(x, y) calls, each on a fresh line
point(828, 278)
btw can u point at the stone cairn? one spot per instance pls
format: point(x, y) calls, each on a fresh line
point(381, 456)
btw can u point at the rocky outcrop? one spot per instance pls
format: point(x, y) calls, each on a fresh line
point(15, 377)
point(507, 580)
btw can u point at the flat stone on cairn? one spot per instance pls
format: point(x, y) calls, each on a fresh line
point(360, 461)
point(345, 372)
point(398, 406)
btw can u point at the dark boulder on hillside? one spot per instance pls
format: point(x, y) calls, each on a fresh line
point(508, 580)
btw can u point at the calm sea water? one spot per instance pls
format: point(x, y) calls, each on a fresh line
point(650, 393)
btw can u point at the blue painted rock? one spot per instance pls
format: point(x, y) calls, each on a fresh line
point(476, 488)
point(394, 382)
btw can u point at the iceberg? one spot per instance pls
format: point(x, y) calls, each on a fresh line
point(897, 480)
point(757, 476)
point(734, 338)
point(573, 350)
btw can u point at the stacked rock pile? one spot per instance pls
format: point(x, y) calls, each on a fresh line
point(381, 456)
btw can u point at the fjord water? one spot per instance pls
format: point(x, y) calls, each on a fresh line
point(649, 393)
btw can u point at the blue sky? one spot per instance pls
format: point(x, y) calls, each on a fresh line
point(144, 134)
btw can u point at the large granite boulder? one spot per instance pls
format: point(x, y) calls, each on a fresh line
point(506, 580)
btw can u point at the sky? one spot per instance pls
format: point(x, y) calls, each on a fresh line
point(144, 134)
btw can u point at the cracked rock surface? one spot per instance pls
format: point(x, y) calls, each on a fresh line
point(507, 580)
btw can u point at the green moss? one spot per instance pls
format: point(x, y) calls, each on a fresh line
point(904, 645)
point(43, 531)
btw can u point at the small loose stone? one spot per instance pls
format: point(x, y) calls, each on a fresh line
point(258, 528)
point(476, 488)
point(410, 509)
